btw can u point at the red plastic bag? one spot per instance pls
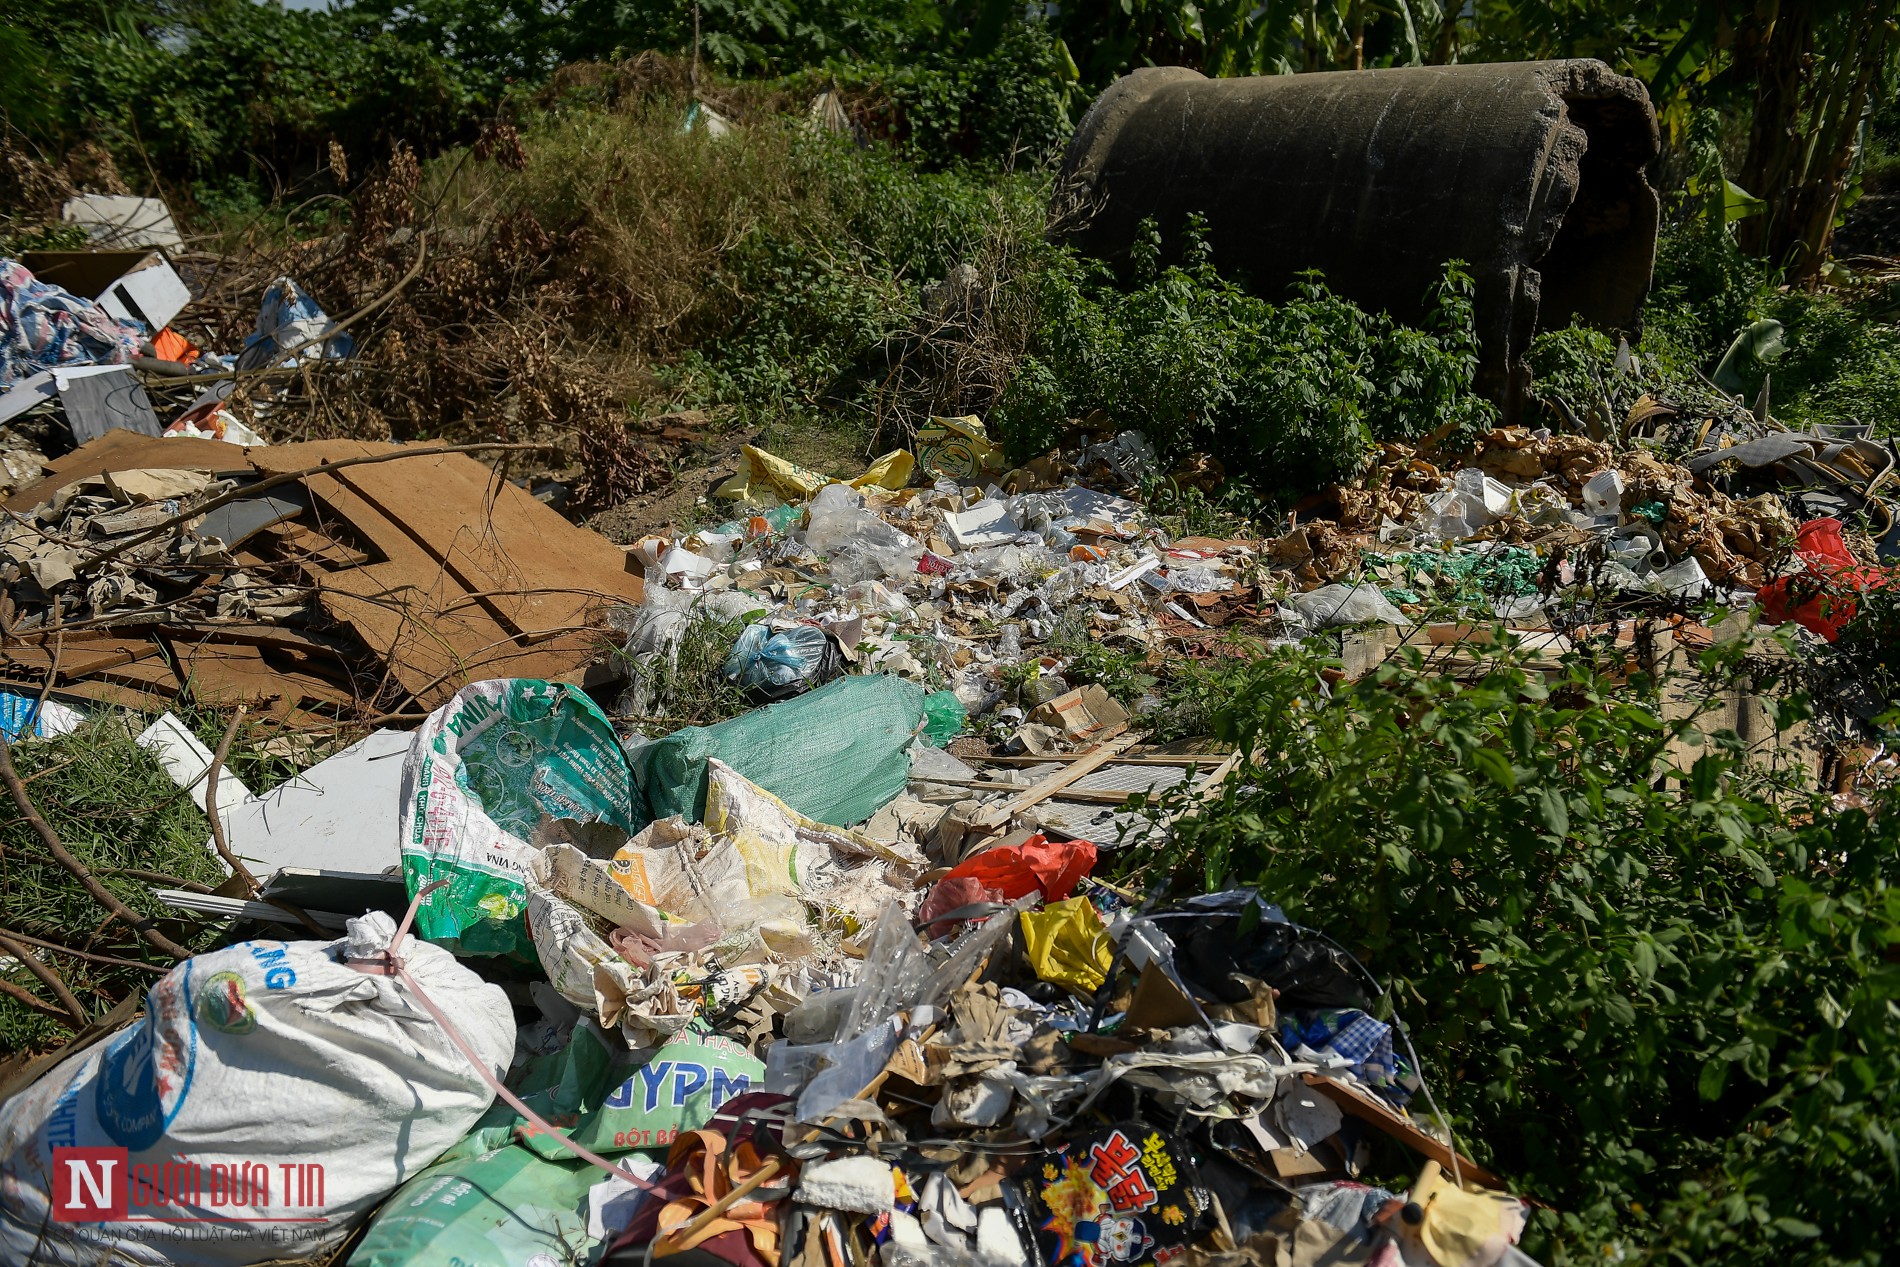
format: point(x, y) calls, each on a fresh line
point(1820, 600)
point(1003, 875)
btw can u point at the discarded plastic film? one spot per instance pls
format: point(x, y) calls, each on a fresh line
point(486, 770)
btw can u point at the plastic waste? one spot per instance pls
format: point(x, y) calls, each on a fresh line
point(262, 1053)
point(1197, 580)
point(1067, 945)
point(1682, 580)
point(928, 763)
point(485, 771)
point(287, 319)
point(1603, 493)
point(1038, 865)
point(1486, 499)
point(777, 519)
point(1821, 600)
point(987, 523)
point(25, 717)
point(778, 664)
point(958, 448)
point(944, 718)
point(1129, 456)
point(1341, 604)
point(1110, 1187)
point(1009, 644)
point(837, 520)
point(640, 1101)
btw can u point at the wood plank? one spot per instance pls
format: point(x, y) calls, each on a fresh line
point(129, 451)
point(79, 657)
point(405, 608)
point(1209, 759)
point(1042, 791)
point(423, 606)
point(1369, 1108)
point(539, 572)
point(1082, 796)
point(243, 673)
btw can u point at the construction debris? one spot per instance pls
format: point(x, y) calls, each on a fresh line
point(354, 575)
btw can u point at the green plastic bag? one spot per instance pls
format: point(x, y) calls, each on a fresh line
point(487, 1201)
point(837, 754)
point(944, 716)
point(484, 771)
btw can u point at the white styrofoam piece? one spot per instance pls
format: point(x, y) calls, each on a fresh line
point(988, 523)
point(187, 762)
point(1603, 493)
point(122, 220)
point(153, 295)
point(341, 814)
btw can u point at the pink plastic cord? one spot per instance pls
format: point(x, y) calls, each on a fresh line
point(390, 964)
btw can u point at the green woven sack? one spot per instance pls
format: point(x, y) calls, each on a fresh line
point(837, 754)
point(483, 772)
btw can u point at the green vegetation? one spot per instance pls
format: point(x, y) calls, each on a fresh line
point(1653, 984)
point(1313, 383)
point(120, 815)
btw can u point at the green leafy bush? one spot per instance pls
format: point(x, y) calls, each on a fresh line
point(1301, 392)
point(1652, 984)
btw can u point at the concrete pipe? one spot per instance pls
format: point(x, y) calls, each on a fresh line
point(1530, 172)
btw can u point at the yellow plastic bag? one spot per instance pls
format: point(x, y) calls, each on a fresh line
point(957, 447)
point(764, 473)
point(1462, 1226)
point(769, 474)
point(891, 471)
point(1067, 944)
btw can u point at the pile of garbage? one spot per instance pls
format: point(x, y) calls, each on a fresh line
point(845, 978)
point(629, 1002)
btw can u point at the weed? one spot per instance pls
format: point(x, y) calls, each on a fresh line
point(1121, 672)
point(1301, 391)
point(1552, 877)
point(683, 685)
point(114, 808)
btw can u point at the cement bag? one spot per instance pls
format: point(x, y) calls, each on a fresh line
point(485, 771)
point(490, 1202)
point(755, 863)
point(269, 1098)
point(836, 755)
point(634, 1102)
point(831, 868)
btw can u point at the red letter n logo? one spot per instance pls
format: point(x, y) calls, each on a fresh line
point(89, 1185)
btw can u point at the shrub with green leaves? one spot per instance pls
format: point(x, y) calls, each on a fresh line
point(1653, 985)
point(1299, 393)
